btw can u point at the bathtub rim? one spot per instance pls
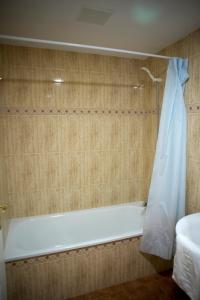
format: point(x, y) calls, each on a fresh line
point(25, 258)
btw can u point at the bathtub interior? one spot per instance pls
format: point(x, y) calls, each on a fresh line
point(46, 234)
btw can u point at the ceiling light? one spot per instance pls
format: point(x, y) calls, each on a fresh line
point(146, 14)
point(1, 78)
point(58, 80)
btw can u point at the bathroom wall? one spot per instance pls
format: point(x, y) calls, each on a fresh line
point(188, 47)
point(84, 143)
point(54, 161)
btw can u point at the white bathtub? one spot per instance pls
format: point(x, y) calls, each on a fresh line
point(40, 235)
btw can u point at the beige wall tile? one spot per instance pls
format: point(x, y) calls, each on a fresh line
point(193, 185)
point(76, 161)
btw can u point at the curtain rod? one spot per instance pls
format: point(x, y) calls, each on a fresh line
point(78, 46)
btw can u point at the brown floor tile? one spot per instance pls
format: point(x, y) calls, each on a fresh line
point(157, 287)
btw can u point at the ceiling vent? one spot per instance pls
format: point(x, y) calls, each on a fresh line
point(94, 16)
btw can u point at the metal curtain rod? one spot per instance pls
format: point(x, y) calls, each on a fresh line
point(81, 46)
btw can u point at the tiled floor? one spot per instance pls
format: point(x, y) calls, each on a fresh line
point(157, 287)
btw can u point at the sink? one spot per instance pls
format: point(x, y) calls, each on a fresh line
point(186, 271)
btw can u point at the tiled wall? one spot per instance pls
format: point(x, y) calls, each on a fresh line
point(188, 47)
point(87, 142)
point(53, 161)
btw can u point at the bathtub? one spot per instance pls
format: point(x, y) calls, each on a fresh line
point(41, 235)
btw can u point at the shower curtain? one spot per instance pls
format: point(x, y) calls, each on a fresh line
point(166, 200)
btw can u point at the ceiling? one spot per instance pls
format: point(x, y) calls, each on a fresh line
point(139, 25)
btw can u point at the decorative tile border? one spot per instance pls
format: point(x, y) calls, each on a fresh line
point(62, 255)
point(72, 111)
point(193, 108)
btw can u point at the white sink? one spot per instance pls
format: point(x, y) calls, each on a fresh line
point(186, 271)
point(189, 228)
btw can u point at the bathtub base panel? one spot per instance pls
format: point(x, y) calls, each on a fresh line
point(64, 275)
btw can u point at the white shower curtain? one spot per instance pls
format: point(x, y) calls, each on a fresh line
point(166, 200)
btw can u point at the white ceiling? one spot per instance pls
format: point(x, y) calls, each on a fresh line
point(140, 25)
